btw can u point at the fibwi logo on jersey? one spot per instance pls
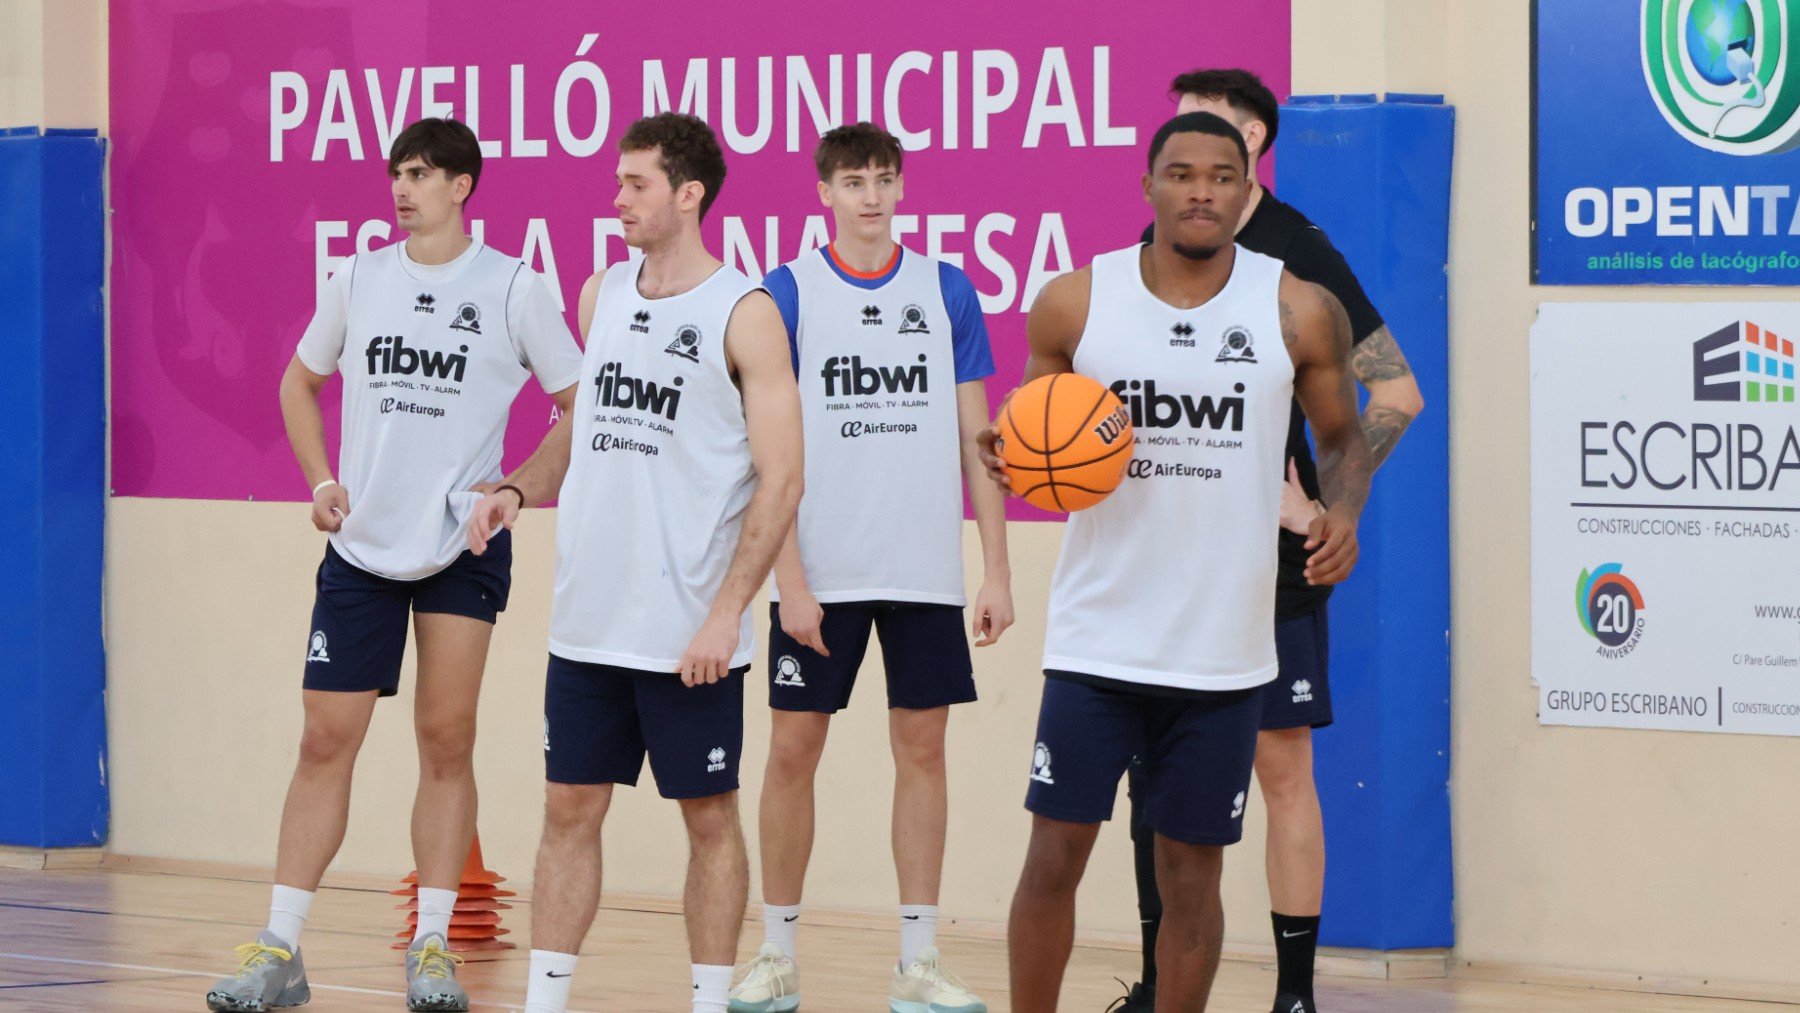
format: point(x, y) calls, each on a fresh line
point(1610, 608)
point(1722, 72)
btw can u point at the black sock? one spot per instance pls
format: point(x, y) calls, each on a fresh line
point(1143, 845)
point(1296, 940)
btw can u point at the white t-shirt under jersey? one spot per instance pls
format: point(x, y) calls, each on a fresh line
point(432, 357)
point(659, 477)
point(879, 358)
point(1170, 581)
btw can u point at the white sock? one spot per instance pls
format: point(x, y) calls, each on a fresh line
point(287, 913)
point(712, 987)
point(435, 907)
point(548, 989)
point(781, 923)
point(918, 929)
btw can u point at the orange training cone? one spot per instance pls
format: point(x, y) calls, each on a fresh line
point(475, 921)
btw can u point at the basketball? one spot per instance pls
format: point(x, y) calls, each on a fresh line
point(1065, 441)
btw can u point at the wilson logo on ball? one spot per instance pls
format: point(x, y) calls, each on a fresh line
point(1065, 441)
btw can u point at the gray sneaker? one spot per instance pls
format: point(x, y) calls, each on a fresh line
point(269, 976)
point(431, 977)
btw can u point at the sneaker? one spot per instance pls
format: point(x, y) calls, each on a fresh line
point(431, 977)
point(269, 976)
point(770, 984)
point(1288, 1002)
point(1139, 998)
point(926, 987)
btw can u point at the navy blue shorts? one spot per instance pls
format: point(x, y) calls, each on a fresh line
point(1198, 752)
point(923, 647)
point(600, 720)
point(359, 618)
point(1300, 696)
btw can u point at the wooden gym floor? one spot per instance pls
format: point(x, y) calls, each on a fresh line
point(105, 939)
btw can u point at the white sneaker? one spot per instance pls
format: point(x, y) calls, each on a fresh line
point(926, 987)
point(770, 984)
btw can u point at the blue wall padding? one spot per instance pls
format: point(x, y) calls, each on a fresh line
point(53, 454)
point(1376, 177)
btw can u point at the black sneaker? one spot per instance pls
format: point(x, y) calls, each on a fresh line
point(1137, 999)
point(1288, 1002)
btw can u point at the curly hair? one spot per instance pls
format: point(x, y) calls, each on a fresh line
point(1240, 89)
point(689, 149)
point(855, 146)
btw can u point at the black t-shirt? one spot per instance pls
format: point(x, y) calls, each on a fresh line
point(1278, 230)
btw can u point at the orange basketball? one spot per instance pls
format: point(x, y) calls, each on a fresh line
point(1065, 440)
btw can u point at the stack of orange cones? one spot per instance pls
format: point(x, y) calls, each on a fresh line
point(475, 923)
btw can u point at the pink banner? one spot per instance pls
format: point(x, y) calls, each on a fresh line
point(249, 141)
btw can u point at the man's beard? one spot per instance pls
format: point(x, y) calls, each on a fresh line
point(1197, 253)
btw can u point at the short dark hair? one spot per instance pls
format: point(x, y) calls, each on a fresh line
point(1240, 89)
point(855, 146)
point(690, 151)
point(440, 144)
point(1198, 123)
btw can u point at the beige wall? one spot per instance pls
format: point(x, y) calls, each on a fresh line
point(53, 63)
point(1660, 854)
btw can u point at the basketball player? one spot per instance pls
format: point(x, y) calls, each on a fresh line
point(877, 331)
point(434, 336)
point(1158, 638)
point(679, 473)
point(1299, 700)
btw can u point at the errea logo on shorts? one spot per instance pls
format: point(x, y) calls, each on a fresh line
point(1237, 806)
point(1040, 765)
point(715, 760)
point(787, 672)
point(315, 649)
point(1302, 691)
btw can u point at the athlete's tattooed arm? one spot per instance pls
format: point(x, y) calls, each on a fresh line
point(1052, 330)
point(1394, 398)
point(1317, 333)
point(756, 348)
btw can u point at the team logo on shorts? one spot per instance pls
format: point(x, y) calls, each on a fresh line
point(686, 343)
point(1302, 691)
point(787, 672)
point(1237, 806)
point(912, 320)
point(315, 650)
point(546, 735)
point(468, 318)
point(715, 760)
point(1236, 345)
point(1040, 765)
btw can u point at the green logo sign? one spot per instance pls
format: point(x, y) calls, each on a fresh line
point(1722, 72)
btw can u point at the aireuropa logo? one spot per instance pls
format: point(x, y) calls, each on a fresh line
point(1722, 72)
point(1610, 608)
point(1744, 362)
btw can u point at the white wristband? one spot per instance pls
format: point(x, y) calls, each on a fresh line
point(321, 485)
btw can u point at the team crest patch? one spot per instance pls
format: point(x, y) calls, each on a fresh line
point(787, 672)
point(1236, 345)
point(315, 649)
point(912, 320)
point(686, 343)
point(1040, 765)
point(468, 318)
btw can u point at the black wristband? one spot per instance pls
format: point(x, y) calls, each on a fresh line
point(515, 489)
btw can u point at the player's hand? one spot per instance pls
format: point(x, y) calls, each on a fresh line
point(331, 504)
point(1298, 510)
point(993, 612)
point(708, 656)
point(987, 443)
point(801, 618)
point(494, 512)
point(1333, 536)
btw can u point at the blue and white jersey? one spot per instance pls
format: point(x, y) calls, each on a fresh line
point(878, 357)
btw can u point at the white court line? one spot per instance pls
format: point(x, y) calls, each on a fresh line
point(214, 974)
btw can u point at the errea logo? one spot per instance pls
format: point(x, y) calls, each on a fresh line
point(1302, 691)
point(1237, 805)
point(715, 760)
point(871, 316)
point(425, 303)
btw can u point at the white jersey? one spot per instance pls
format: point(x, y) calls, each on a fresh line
point(432, 357)
point(878, 360)
point(659, 477)
point(1170, 581)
